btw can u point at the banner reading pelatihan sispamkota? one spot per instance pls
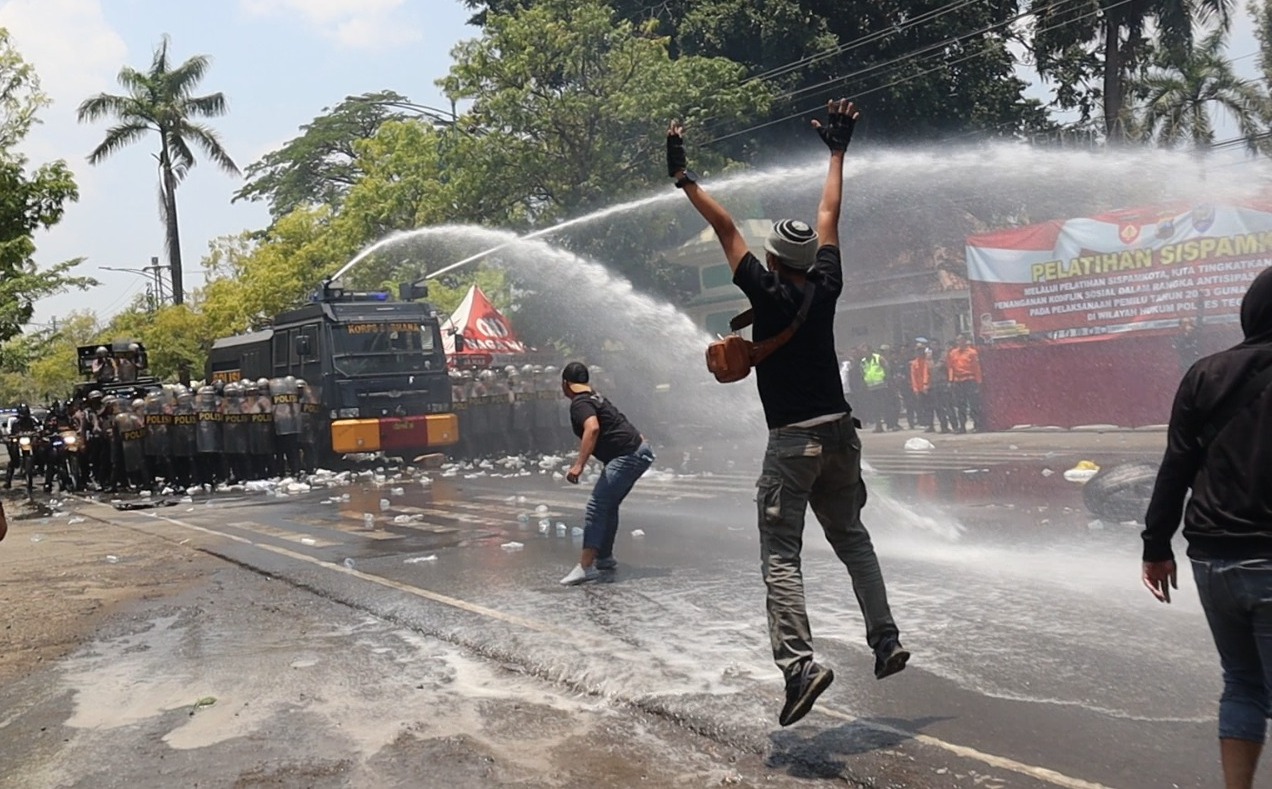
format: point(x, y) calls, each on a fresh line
point(1135, 270)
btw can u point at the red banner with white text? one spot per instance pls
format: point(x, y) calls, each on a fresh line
point(1137, 270)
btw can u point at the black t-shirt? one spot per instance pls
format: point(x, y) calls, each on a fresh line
point(618, 436)
point(800, 380)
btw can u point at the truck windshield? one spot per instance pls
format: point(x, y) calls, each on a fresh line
point(383, 348)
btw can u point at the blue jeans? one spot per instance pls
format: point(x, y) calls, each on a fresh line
point(600, 524)
point(1237, 598)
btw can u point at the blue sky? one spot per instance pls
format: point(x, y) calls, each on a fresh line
point(279, 62)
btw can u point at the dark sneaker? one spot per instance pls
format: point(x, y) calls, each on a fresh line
point(802, 689)
point(606, 565)
point(890, 658)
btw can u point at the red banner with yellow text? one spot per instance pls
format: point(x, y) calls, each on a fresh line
point(1137, 270)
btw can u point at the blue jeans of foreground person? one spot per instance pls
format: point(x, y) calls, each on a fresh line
point(616, 481)
point(1237, 598)
point(820, 466)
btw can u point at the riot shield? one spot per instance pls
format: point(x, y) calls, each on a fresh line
point(181, 433)
point(158, 419)
point(235, 435)
point(130, 425)
point(523, 405)
point(285, 402)
point(209, 421)
point(260, 409)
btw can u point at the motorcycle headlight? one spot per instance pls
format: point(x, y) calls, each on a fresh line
point(24, 441)
point(69, 440)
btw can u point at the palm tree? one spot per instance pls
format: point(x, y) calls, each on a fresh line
point(1181, 88)
point(1119, 30)
point(159, 100)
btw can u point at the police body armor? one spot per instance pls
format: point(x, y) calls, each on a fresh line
point(130, 426)
point(285, 404)
point(158, 420)
point(236, 422)
point(209, 421)
point(181, 433)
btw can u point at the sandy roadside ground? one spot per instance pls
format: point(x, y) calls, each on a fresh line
point(57, 585)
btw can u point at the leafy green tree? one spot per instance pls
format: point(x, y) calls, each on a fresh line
point(251, 280)
point(321, 165)
point(29, 200)
point(1184, 88)
point(573, 103)
point(920, 68)
point(54, 369)
point(160, 100)
point(176, 337)
point(1080, 43)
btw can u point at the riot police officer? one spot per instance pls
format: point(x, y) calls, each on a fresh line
point(182, 441)
point(104, 370)
point(130, 429)
point(311, 424)
point(285, 402)
point(260, 442)
point(158, 418)
point(209, 423)
point(236, 432)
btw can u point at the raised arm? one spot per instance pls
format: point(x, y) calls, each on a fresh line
point(715, 214)
point(841, 119)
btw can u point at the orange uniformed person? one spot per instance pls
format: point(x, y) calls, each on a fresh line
point(963, 362)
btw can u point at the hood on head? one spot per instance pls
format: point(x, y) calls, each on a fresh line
point(1256, 308)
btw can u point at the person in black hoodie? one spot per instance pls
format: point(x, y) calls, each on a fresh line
point(1227, 523)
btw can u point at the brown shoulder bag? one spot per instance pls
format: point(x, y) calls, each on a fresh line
point(731, 358)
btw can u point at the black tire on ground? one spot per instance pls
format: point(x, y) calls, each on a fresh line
point(1120, 493)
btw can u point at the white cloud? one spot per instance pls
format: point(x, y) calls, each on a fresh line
point(354, 24)
point(69, 42)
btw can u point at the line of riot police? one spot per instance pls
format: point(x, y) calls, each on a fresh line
point(512, 411)
point(221, 433)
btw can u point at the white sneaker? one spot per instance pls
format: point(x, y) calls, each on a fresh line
point(580, 575)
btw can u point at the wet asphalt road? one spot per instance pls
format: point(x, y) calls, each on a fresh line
point(1038, 658)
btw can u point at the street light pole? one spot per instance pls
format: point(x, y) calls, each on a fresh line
point(155, 287)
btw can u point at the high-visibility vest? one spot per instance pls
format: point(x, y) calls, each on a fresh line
point(872, 370)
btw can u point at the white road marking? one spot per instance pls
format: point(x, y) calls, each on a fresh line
point(1042, 774)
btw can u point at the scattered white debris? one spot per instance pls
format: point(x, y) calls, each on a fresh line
point(75, 520)
point(1046, 472)
point(368, 520)
point(1082, 472)
point(350, 563)
point(919, 445)
point(421, 559)
point(512, 546)
point(1095, 525)
point(638, 533)
point(112, 558)
point(385, 504)
point(542, 509)
point(557, 476)
point(544, 526)
point(577, 531)
point(37, 537)
point(308, 541)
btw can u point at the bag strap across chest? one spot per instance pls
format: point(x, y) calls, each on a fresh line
point(764, 348)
